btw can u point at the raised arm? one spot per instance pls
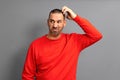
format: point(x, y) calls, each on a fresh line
point(91, 35)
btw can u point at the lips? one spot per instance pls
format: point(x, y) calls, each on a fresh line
point(55, 29)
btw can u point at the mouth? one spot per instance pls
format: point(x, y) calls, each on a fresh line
point(55, 29)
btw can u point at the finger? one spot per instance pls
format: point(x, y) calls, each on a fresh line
point(64, 9)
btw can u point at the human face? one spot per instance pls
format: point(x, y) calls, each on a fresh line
point(56, 23)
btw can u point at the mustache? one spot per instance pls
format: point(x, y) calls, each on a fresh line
point(55, 28)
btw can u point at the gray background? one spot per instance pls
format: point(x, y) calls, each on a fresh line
point(22, 21)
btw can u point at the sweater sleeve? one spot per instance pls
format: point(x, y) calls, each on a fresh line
point(91, 35)
point(29, 69)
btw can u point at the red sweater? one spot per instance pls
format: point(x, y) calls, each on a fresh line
point(57, 59)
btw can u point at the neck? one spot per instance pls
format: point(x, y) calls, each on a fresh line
point(52, 37)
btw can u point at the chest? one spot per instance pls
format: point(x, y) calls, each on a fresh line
point(51, 48)
point(55, 54)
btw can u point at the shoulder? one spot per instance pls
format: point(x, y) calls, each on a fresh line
point(73, 35)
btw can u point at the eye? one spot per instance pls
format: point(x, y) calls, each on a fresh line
point(52, 21)
point(59, 21)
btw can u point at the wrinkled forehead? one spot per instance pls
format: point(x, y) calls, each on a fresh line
point(56, 11)
point(56, 16)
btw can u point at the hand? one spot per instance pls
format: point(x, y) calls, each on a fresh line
point(68, 13)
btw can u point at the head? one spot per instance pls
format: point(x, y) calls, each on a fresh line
point(56, 22)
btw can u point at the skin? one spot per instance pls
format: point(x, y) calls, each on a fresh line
point(56, 22)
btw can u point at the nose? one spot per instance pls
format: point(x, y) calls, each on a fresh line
point(55, 24)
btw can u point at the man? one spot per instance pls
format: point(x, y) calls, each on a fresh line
point(54, 56)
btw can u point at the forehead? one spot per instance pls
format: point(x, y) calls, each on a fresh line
point(56, 16)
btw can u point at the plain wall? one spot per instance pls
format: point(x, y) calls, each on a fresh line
point(22, 21)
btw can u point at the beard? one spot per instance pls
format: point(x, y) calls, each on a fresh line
point(55, 31)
